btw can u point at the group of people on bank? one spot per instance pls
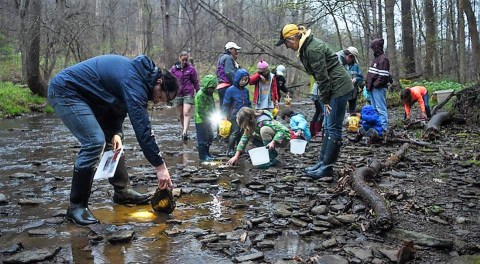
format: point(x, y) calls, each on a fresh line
point(94, 97)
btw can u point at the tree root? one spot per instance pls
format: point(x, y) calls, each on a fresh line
point(384, 218)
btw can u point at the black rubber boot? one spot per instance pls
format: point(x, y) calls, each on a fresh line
point(210, 156)
point(203, 153)
point(123, 192)
point(231, 147)
point(78, 211)
point(357, 138)
point(330, 157)
point(320, 158)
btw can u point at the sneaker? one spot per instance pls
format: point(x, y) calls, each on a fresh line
point(185, 137)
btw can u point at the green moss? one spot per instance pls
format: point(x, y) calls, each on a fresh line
point(16, 100)
point(443, 175)
point(469, 163)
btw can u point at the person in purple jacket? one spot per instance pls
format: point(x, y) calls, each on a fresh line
point(188, 84)
point(93, 98)
point(227, 66)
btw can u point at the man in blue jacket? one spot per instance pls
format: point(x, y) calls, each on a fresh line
point(93, 98)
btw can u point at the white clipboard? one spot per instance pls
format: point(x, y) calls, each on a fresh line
point(108, 164)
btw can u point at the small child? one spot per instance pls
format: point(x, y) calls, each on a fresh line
point(204, 108)
point(265, 95)
point(412, 95)
point(371, 126)
point(298, 125)
point(236, 97)
point(264, 130)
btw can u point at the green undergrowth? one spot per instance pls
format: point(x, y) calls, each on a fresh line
point(16, 100)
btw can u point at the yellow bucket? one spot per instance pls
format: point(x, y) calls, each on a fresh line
point(224, 128)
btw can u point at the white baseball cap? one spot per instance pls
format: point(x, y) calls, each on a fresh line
point(354, 52)
point(230, 45)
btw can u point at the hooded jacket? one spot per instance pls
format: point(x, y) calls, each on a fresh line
point(322, 63)
point(226, 68)
point(114, 86)
point(236, 97)
point(370, 119)
point(204, 104)
point(379, 72)
point(298, 122)
point(187, 79)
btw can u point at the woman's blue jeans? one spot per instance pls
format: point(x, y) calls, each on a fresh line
point(332, 124)
point(79, 118)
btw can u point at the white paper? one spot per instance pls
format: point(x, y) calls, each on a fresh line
point(106, 168)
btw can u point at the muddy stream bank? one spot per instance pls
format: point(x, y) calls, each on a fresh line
point(239, 214)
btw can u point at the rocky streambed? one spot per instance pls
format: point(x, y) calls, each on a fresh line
point(242, 214)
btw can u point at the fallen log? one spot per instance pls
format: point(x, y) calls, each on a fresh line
point(432, 130)
point(384, 218)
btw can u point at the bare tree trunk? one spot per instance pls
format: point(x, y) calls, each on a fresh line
point(373, 7)
point(30, 14)
point(140, 25)
point(339, 35)
point(462, 60)
point(363, 16)
point(418, 36)
point(454, 53)
point(148, 20)
point(349, 32)
point(407, 36)
point(380, 19)
point(472, 29)
point(430, 45)
point(168, 49)
point(391, 41)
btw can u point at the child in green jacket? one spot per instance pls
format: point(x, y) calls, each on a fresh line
point(265, 132)
point(204, 108)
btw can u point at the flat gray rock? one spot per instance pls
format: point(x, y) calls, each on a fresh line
point(22, 175)
point(33, 255)
point(329, 259)
point(42, 232)
point(253, 256)
point(122, 236)
point(3, 199)
point(422, 239)
point(360, 253)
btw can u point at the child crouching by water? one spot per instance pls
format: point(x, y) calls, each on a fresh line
point(298, 125)
point(264, 130)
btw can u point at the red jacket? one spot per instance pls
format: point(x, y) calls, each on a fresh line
point(255, 80)
point(417, 93)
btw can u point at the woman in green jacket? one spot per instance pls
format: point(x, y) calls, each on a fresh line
point(334, 85)
point(264, 130)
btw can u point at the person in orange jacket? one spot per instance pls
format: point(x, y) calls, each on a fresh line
point(412, 95)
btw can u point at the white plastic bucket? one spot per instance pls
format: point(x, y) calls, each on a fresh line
point(259, 155)
point(442, 95)
point(297, 146)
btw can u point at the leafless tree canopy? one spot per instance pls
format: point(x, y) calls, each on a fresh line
point(435, 39)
